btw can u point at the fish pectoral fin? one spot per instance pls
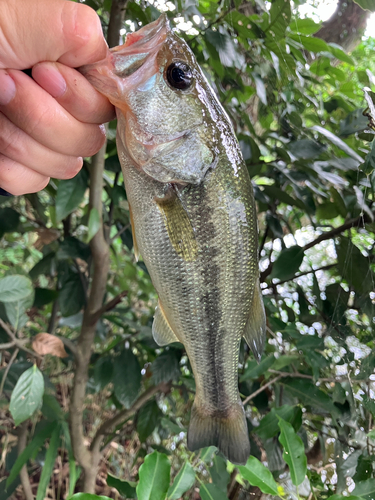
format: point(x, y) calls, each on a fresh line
point(229, 433)
point(161, 330)
point(177, 222)
point(135, 244)
point(255, 329)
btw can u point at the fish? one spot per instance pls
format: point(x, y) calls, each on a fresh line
point(193, 219)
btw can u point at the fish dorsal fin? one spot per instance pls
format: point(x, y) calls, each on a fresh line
point(161, 330)
point(255, 329)
point(180, 230)
point(136, 250)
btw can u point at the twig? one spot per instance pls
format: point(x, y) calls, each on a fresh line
point(323, 268)
point(310, 377)
point(261, 389)
point(5, 347)
point(24, 476)
point(336, 231)
point(10, 362)
point(119, 233)
point(124, 415)
point(110, 305)
point(20, 344)
point(69, 344)
point(53, 318)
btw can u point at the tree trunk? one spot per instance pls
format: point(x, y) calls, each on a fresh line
point(346, 25)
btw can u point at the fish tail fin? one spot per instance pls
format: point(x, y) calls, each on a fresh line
point(228, 432)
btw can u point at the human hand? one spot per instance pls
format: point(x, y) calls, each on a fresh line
point(48, 122)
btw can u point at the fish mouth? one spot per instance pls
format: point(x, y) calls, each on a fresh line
point(117, 72)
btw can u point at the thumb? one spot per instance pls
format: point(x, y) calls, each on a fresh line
point(49, 30)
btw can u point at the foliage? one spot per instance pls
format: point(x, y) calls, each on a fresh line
point(296, 103)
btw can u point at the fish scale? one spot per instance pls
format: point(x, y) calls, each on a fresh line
point(193, 221)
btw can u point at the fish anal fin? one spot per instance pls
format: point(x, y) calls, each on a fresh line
point(227, 432)
point(255, 329)
point(180, 230)
point(161, 329)
point(135, 245)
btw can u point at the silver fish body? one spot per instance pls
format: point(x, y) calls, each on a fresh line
point(193, 218)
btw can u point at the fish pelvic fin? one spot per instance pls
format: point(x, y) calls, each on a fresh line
point(227, 432)
point(135, 244)
point(179, 227)
point(255, 329)
point(161, 329)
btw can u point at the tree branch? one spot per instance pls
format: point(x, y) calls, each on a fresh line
point(337, 230)
point(100, 262)
point(10, 362)
point(261, 389)
point(125, 414)
point(24, 476)
point(111, 304)
point(16, 342)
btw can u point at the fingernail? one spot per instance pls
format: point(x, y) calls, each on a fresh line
point(7, 88)
point(4, 193)
point(49, 78)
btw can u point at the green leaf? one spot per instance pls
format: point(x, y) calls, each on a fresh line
point(27, 395)
point(309, 394)
point(73, 248)
point(311, 43)
point(207, 453)
point(126, 377)
point(339, 53)
point(326, 211)
point(94, 224)
point(72, 295)
point(211, 492)
point(353, 123)
point(166, 367)
point(254, 370)
point(88, 496)
point(14, 288)
point(366, 4)
point(70, 193)
point(365, 489)
point(49, 464)
point(44, 296)
point(125, 489)
point(219, 473)
point(16, 311)
point(30, 450)
point(279, 18)
point(44, 266)
point(269, 425)
point(354, 266)
point(9, 220)
point(306, 149)
point(338, 142)
point(342, 497)
point(305, 26)
point(258, 475)
point(284, 361)
point(182, 482)
point(294, 452)
point(276, 193)
point(147, 419)
point(154, 477)
point(287, 263)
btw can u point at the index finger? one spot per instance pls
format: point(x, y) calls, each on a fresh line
point(49, 30)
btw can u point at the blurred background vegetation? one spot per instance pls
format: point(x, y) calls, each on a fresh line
point(88, 402)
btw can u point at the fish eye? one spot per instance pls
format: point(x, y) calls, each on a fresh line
point(179, 75)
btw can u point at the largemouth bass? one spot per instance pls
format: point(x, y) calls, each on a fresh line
point(193, 219)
